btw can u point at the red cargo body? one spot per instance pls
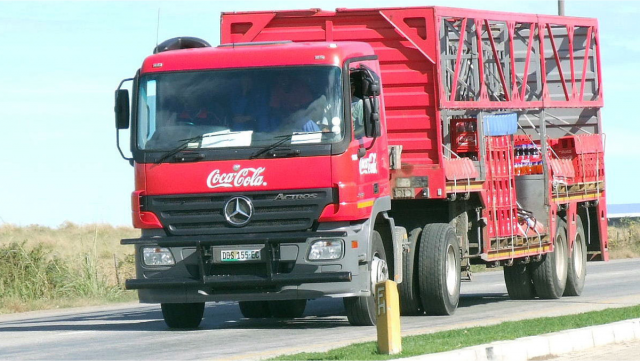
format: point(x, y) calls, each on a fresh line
point(435, 60)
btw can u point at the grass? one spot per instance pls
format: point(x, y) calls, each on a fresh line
point(456, 339)
point(42, 267)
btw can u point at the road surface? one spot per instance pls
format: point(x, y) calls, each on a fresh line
point(134, 331)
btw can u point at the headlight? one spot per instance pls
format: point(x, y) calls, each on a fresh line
point(157, 256)
point(325, 249)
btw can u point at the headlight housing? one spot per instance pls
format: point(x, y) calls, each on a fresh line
point(157, 256)
point(326, 249)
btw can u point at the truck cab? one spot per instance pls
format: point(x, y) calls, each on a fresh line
point(261, 171)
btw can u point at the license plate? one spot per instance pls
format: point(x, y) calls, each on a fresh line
point(240, 255)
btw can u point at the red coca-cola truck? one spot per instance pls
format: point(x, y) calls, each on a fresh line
point(315, 153)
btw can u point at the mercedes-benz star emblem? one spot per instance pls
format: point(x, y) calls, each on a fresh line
point(238, 211)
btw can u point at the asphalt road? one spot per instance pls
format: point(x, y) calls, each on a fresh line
point(138, 332)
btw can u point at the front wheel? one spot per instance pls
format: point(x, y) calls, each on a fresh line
point(361, 311)
point(439, 269)
point(182, 315)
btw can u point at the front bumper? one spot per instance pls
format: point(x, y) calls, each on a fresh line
point(190, 279)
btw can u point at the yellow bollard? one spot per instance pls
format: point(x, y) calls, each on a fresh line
point(388, 313)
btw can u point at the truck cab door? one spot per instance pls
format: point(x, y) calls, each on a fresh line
point(368, 129)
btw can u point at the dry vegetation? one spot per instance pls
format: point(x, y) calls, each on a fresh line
point(624, 239)
point(72, 265)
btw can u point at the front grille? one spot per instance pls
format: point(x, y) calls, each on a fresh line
point(183, 215)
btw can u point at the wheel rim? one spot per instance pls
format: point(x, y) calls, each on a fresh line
point(561, 258)
point(452, 274)
point(379, 271)
point(577, 256)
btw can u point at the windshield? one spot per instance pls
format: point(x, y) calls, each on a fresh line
point(240, 108)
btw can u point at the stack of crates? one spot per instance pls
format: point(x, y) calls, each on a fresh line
point(586, 153)
point(500, 187)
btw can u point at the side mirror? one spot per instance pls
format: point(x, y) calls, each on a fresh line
point(371, 112)
point(122, 109)
point(370, 86)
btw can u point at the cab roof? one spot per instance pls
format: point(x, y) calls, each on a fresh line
point(243, 55)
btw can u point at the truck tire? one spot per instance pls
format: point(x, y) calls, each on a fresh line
point(361, 311)
point(519, 282)
point(182, 315)
point(410, 304)
point(439, 269)
point(255, 309)
point(577, 271)
point(288, 308)
point(550, 274)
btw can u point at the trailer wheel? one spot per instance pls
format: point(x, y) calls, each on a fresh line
point(519, 282)
point(255, 309)
point(361, 311)
point(182, 315)
point(410, 304)
point(439, 269)
point(288, 308)
point(550, 274)
point(577, 263)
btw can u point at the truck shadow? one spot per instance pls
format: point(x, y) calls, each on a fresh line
point(319, 315)
point(475, 299)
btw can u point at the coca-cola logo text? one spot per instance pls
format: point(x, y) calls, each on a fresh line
point(369, 165)
point(247, 177)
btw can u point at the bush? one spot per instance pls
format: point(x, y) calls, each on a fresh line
point(30, 274)
point(36, 273)
point(72, 265)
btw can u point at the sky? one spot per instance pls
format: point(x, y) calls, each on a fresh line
point(61, 62)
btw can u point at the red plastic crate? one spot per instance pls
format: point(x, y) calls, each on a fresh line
point(464, 137)
point(503, 222)
point(501, 191)
point(586, 153)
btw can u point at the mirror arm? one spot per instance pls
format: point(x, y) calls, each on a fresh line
point(118, 130)
point(120, 149)
point(122, 82)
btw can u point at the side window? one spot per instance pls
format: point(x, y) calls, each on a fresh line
point(146, 112)
point(365, 99)
point(357, 115)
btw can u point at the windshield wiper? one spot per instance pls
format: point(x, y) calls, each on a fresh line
point(270, 149)
point(271, 146)
point(185, 142)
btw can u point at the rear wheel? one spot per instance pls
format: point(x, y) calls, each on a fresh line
point(182, 315)
point(410, 304)
point(518, 281)
point(288, 308)
point(361, 311)
point(439, 269)
point(550, 274)
point(255, 309)
point(577, 263)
